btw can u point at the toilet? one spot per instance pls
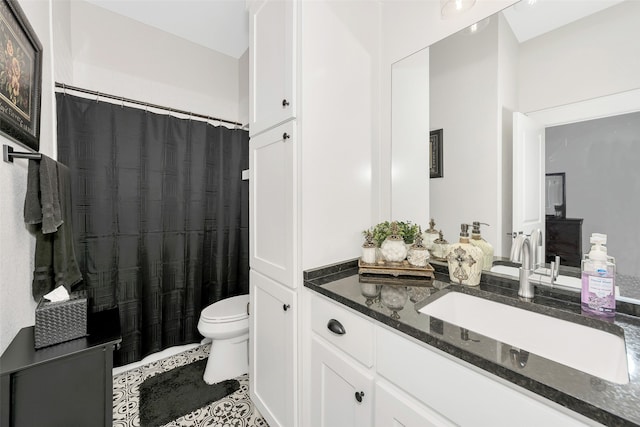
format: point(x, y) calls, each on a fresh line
point(226, 323)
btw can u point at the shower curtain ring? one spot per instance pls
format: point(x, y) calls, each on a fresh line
point(97, 96)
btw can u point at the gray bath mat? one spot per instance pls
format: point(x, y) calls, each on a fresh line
point(180, 391)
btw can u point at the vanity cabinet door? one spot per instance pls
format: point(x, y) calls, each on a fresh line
point(272, 350)
point(459, 391)
point(271, 63)
point(394, 408)
point(272, 205)
point(341, 391)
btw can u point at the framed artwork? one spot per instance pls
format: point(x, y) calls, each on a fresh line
point(20, 76)
point(435, 151)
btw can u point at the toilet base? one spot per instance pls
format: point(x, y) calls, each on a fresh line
point(227, 359)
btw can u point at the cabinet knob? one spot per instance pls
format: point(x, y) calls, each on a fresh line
point(359, 396)
point(286, 307)
point(286, 136)
point(336, 327)
point(285, 103)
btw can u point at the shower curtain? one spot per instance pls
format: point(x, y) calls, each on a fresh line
point(160, 217)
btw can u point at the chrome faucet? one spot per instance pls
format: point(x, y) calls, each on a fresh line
point(525, 252)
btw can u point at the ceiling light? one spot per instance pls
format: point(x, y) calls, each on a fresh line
point(449, 8)
point(477, 27)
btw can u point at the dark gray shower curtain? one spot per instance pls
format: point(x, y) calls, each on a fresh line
point(160, 217)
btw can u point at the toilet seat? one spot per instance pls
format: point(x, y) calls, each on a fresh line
point(226, 310)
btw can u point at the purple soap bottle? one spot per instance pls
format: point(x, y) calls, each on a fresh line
point(598, 280)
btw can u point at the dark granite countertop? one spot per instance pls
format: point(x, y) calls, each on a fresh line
point(601, 400)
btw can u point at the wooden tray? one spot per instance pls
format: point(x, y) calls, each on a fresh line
point(396, 269)
point(380, 279)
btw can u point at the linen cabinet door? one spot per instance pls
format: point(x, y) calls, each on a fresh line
point(272, 68)
point(272, 203)
point(272, 350)
point(342, 391)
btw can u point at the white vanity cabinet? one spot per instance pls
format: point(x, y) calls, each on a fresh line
point(393, 407)
point(345, 389)
point(413, 384)
point(272, 62)
point(342, 354)
point(342, 390)
point(273, 350)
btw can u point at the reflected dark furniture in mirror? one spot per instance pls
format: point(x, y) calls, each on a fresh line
point(564, 239)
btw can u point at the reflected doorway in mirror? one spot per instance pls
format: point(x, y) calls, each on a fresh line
point(435, 153)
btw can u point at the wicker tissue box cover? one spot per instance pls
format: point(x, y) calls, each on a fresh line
point(57, 322)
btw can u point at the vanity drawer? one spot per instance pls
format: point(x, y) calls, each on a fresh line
point(347, 331)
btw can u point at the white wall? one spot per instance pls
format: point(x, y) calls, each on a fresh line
point(17, 246)
point(120, 56)
point(63, 69)
point(339, 94)
point(243, 88)
point(572, 61)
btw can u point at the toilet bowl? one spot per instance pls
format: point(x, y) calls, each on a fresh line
point(226, 323)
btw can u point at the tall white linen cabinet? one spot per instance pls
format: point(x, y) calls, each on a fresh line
point(273, 210)
point(313, 116)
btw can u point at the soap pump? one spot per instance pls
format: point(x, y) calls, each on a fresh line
point(598, 279)
point(487, 249)
point(465, 260)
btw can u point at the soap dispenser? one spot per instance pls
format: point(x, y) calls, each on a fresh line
point(598, 279)
point(465, 260)
point(487, 249)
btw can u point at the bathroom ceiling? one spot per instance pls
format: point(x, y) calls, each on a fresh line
point(220, 25)
point(531, 18)
point(223, 25)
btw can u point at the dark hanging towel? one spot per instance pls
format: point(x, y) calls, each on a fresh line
point(47, 208)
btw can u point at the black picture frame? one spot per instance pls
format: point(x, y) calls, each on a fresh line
point(20, 76)
point(555, 195)
point(435, 150)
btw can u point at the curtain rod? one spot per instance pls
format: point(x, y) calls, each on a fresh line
point(64, 87)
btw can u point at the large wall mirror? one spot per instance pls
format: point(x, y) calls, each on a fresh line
point(574, 69)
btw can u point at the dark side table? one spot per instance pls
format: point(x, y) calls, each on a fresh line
point(67, 384)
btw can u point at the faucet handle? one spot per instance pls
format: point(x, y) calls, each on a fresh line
point(555, 267)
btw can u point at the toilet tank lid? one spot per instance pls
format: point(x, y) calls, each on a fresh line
point(229, 308)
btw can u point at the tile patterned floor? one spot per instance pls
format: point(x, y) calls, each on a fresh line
point(235, 410)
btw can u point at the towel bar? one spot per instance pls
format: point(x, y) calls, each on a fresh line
point(8, 154)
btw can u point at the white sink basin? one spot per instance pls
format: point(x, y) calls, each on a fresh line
point(587, 349)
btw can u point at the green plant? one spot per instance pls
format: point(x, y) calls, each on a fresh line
point(406, 230)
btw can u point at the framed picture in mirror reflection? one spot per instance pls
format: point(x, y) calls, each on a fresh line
point(435, 153)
